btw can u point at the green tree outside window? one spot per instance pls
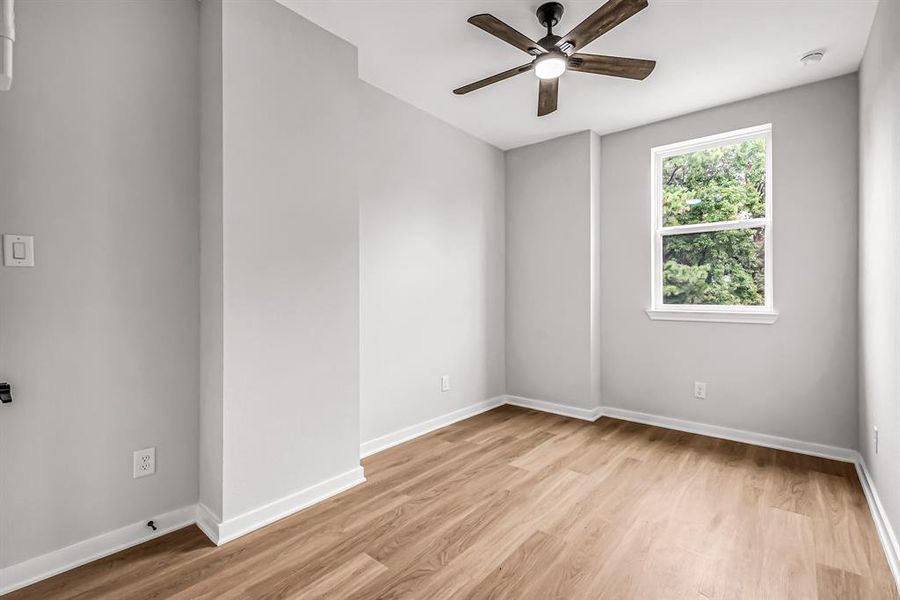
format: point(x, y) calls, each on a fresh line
point(727, 267)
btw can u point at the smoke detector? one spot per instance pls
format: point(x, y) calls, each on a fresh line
point(812, 58)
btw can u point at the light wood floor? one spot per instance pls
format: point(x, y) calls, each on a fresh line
point(519, 504)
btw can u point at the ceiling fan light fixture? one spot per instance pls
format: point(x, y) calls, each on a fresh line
point(550, 65)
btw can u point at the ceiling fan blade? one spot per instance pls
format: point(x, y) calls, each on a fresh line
point(611, 14)
point(493, 79)
point(547, 96)
point(631, 68)
point(499, 29)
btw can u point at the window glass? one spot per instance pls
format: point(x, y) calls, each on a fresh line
point(727, 183)
point(717, 267)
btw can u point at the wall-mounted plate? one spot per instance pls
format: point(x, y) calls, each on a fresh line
point(18, 250)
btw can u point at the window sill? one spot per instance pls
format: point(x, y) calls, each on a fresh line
point(762, 317)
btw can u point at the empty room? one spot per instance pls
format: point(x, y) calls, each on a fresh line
point(450, 299)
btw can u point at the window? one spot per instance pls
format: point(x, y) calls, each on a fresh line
point(712, 229)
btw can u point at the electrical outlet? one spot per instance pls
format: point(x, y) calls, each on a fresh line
point(700, 390)
point(875, 438)
point(445, 383)
point(144, 462)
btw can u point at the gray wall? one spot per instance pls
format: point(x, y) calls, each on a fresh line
point(796, 378)
point(551, 271)
point(212, 344)
point(879, 249)
point(432, 266)
point(291, 255)
point(99, 155)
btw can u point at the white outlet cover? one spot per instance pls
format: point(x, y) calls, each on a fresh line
point(18, 250)
point(144, 462)
point(700, 390)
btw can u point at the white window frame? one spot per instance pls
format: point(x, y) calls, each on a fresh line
point(704, 312)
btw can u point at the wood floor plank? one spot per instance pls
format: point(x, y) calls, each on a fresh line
point(346, 579)
point(575, 566)
point(837, 584)
point(512, 577)
point(418, 562)
point(839, 542)
point(515, 503)
point(789, 565)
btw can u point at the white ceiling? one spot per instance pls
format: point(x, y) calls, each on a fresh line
point(708, 52)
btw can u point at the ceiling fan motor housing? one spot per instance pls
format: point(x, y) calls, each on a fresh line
point(548, 42)
point(549, 14)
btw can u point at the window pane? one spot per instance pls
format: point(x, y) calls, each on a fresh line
point(718, 267)
point(727, 183)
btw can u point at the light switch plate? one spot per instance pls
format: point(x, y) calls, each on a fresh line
point(18, 250)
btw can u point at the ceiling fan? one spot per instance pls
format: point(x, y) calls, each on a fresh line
point(553, 55)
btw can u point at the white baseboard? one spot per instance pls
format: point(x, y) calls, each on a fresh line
point(47, 565)
point(235, 527)
point(408, 433)
point(736, 435)
point(557, 409)
point(882, 522)
point(208, 522)
point(50, 564)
